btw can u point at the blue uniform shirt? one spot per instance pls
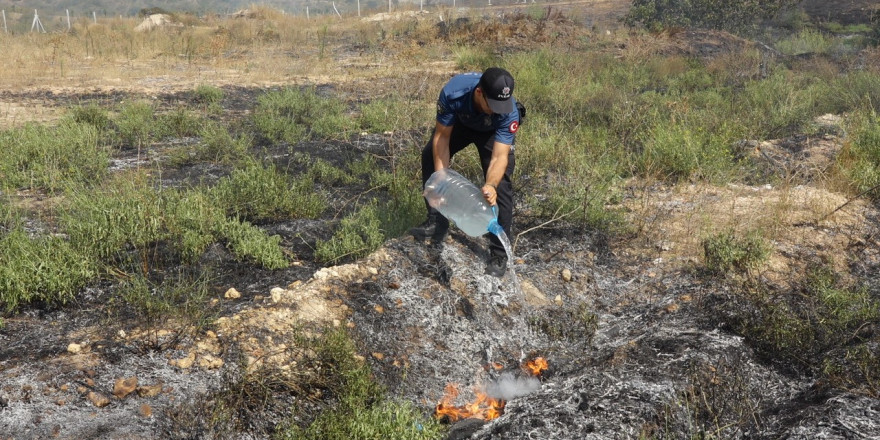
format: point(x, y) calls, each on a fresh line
point(455, 105)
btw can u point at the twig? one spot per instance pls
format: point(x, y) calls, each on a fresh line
point(848, 202)
point(555, 218)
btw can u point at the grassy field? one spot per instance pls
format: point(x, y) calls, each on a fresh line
point(612, 111)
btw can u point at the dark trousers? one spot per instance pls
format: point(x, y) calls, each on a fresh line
point(462, 137)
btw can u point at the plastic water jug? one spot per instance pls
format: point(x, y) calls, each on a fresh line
point(462, 202)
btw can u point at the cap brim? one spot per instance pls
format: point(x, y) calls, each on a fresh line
point(501, 107)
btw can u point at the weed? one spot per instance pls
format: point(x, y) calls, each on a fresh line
point(360, 410)
point(91, 114)
point(178, 303)
point(259, 193)
point(209, 97)
point(178, 123)
point(726, 252)
point(357, 235)
point(41, 269)
point(805, 41)
point(135, 124)
point(293, 115)
point(50, 158)
point(246, 240)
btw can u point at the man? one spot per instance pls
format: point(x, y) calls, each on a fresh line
point(479, 109)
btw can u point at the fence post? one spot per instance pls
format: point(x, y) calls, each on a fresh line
point(94, 17)
point(5, 31)
point(67, 11)
point(37, 24)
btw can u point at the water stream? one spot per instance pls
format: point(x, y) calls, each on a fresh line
point(507, 248)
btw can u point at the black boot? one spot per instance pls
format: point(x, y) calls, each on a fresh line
point(436, 228)
point(497, 265)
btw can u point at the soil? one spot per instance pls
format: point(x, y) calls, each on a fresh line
point(635, 335)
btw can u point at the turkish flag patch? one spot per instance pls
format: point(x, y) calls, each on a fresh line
point(514, 126)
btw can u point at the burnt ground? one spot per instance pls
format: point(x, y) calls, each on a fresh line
point(639, 340)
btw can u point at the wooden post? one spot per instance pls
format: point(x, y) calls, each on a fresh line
point(67, 11)
point(94, 17)
point(389, 6)
point(359, 8)
point(307, 12)
point(5, 31)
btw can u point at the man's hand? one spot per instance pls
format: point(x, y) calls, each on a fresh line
point(490, 193)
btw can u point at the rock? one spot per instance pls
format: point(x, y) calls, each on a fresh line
point(210, 362)
point(533, 295)
point(232, 294)
point(566, 275)
point(558, 300)
point(276, 294)
point(124, 387)
point(145, 410)
point(184, 363)
point(98, 399)
point(149, 390)
point(74, 348)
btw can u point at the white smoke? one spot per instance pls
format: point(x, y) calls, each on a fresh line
point(509, 386)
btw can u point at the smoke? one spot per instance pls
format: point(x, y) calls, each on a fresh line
point(509, 386)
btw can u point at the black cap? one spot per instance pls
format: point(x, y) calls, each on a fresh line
point(497, 85)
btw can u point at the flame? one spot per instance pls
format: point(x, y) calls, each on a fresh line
point(536, 366)
point(483, 406)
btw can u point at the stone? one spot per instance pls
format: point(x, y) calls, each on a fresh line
point(74, 348)
point(124, 387)
point(566, 275)
point(145, 410)
point(184, 363)
point(98, 399)
point(232, 294)
point(149, 390)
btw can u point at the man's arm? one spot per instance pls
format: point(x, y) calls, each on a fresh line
point(442, 133)
point(497, 166)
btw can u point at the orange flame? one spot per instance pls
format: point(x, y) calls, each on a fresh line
point(483, 406)
point(536, 366)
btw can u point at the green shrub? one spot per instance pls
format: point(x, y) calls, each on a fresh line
point(208, 95)
point(293, 115)
point(716, 14)
point(135, 124)
point(91, 114)
point(178, 123)
point(260, 193)
point(860, 161)
point(357, 235)
point(726, 252)
point(219, 146)
point(677, 152)
point(167, 310)
point(805, 41)
point(248, 241)
point(124, 212)
point(360, 410)
point(40, 269)
point(50, 158)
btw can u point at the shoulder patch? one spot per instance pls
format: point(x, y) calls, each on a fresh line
point(514, 126)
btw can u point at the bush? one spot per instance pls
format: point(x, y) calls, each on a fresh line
point(40, 269)
point(725, 252)
point(50, 158)
point(730, 15)
point(361, 411)
point(260, 193)
point(293, 115)
point(357, 235)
